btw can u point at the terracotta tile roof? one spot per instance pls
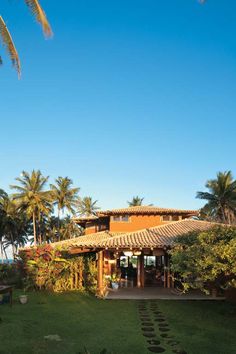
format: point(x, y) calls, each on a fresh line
point(146, 210)
point(85, 218)
point(159, 236)
point(88, 241)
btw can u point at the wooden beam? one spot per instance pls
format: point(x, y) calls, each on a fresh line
point(80, 250)
point(140, 272)
point(100, 285)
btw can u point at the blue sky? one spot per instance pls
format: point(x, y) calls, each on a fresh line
point(130, 97)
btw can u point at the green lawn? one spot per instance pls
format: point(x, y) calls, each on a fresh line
point(83, 321)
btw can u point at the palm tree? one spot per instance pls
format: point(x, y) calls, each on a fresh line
point(3, 195)
point(6, 38)
point(32, 198)
point(64, 196)
point(15, 226)
point(87, 206)
point(136, 201)
point(221, 198)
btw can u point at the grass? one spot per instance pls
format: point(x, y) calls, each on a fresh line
point(83, 321)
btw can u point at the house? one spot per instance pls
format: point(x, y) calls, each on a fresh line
point(134, 243)
point(131, 218)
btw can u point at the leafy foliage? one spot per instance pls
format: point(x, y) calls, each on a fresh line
point(48, 269)
point(11, 274)
point(32, 198)
point(6, 38)
point(136, 201)
point(221, 198)
point(87, 206)
point(206, 260)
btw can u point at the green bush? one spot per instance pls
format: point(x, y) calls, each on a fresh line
point(11, 274)
point(48, 269)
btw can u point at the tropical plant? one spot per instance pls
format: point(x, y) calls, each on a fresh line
point(206, 260)
point(64, 196)
point(136, 201)
point(7, 40)
point(221, 198)
point(67, 229)
point(32, 198)
point(15, 226)
point(87, 206)
point(46, 268)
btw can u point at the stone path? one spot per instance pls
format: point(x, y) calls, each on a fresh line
point(155, 329)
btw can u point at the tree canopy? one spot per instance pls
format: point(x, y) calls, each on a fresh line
point(6, 37)
point(136, 201)
point(221, 198)
point(206, 260)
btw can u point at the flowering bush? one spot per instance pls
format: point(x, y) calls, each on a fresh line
point(47, 268)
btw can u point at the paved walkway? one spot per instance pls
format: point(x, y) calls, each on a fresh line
point(157, 293)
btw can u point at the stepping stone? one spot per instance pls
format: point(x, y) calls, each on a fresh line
point(166, 336)
point(163, 325)
point(159, 319)
point(157, 312)
point(164, 329)
point(148, 324)
point(149, 335)
point(179, 351)
point(172, 342)
point(156, 349)
point(147, 329)
point(154, 341)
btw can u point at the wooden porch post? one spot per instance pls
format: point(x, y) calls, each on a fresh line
point(168, 272)
point(165, 275)
point(100, 273)
point(140, 271)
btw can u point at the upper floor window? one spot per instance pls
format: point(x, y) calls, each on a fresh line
point(166, 218)
point(120, 218)
point(171, 217)
point(125, 218)
point(175, 217)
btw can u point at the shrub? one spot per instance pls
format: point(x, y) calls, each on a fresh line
point(11, 274)
point(47, 268)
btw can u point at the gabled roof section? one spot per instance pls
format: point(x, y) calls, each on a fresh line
point(159, 236)
point(147, 210)
point(88, 241)
point(155, 237)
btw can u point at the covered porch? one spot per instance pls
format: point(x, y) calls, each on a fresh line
point(134, 268)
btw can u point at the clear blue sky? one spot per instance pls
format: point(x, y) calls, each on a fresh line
point(131, 97)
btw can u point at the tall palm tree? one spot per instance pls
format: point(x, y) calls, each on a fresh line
point(87, 206)
point(3, 195)
point(15, 226)
point(221, 198)
point(136, 201)
point(7, 40)
point(64, 196)
point(32, 197)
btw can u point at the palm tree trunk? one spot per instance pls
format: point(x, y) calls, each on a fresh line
point(1, 249)
point(34, 226)
point(58, 223)
point(12, 245)
point(223, 214)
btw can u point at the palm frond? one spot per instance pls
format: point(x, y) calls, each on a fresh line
point(9, 44)
point(40, 16)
